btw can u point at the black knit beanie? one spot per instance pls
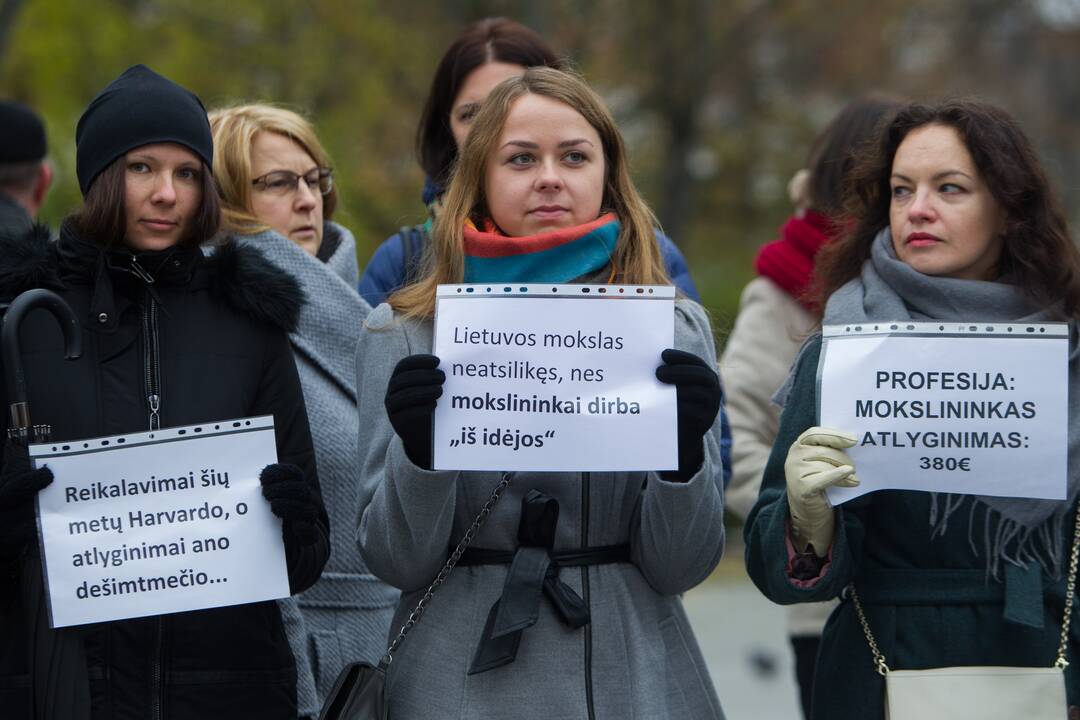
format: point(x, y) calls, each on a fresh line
point(23, 138)
point(138, 108)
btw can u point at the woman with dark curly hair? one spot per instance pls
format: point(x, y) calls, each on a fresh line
point(954, 219)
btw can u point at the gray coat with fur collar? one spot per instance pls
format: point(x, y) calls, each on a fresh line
point(346, 615)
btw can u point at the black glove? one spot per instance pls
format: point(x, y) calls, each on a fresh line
point(292, 500)
point(698, 397)
point(19, 485)
point(414, 387)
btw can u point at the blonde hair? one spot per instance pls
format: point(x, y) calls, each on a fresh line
point(636, 259)
point(234, 130)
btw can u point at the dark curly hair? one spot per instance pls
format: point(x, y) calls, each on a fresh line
point(1037, 255)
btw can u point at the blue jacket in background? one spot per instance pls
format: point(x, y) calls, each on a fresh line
point(385, 272)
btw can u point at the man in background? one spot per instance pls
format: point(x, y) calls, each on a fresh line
point(25, 175)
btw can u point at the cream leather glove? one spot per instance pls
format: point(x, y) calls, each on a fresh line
point(815, 461)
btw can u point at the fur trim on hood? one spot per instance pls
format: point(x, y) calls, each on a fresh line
point(26, 262)
point(241, 276)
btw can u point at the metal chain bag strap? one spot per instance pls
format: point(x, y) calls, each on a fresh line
point(982, 692)
point(359, 692)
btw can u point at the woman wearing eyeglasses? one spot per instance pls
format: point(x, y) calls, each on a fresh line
point(277, 193)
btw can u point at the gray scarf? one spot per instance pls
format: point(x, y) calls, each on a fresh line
point(888, 289)
point(331, 317)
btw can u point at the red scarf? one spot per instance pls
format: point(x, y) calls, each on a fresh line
point(789, 261)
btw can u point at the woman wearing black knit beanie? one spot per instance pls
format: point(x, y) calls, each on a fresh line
point(170, 338)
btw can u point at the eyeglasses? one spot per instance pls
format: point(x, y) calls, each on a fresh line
point(284, 182)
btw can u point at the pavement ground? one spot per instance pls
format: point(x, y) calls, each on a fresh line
point(744, 639)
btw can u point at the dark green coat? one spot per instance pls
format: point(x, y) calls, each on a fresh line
point(930, 602)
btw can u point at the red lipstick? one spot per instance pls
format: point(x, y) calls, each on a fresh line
point(922, 239)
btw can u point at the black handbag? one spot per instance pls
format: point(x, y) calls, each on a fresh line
point(359, 692)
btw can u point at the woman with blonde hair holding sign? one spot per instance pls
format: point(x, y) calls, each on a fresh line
point(954, 221)
point(542, 193)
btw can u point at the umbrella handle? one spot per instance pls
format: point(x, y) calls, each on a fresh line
point(10, 351)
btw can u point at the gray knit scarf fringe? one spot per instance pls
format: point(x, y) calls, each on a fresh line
point(1014, 530)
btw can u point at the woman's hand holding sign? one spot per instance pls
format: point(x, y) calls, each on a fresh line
point(698, 397)
point(414, 386)
point(292, 500)
point(815, 461)
point(305, 526)
point(19, 485)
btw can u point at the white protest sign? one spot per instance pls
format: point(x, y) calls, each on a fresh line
point(554, 377)
point(159, 522)
point(949, 407)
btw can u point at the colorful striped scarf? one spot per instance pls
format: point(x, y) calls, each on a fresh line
point(557, 256)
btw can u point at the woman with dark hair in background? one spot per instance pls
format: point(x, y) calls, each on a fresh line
point(954, 220)
point(776, 315)
point(486, 53)
point(170, 338)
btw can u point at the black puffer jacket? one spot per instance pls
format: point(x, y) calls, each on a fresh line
point(221, 352)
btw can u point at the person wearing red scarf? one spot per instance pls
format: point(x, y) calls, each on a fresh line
point(775, 316)
point(789, 261)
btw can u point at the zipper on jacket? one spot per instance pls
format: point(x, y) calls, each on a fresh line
point(140, 272)
point(152, 358)
point(585, 477)
point(152, 368)
point(157, 687)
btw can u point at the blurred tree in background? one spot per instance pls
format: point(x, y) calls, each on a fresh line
point(718, 100)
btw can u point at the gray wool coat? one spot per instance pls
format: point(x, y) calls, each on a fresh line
point(346, 615)
point(636, 659)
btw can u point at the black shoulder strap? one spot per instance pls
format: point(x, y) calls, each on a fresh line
point(413, 240)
